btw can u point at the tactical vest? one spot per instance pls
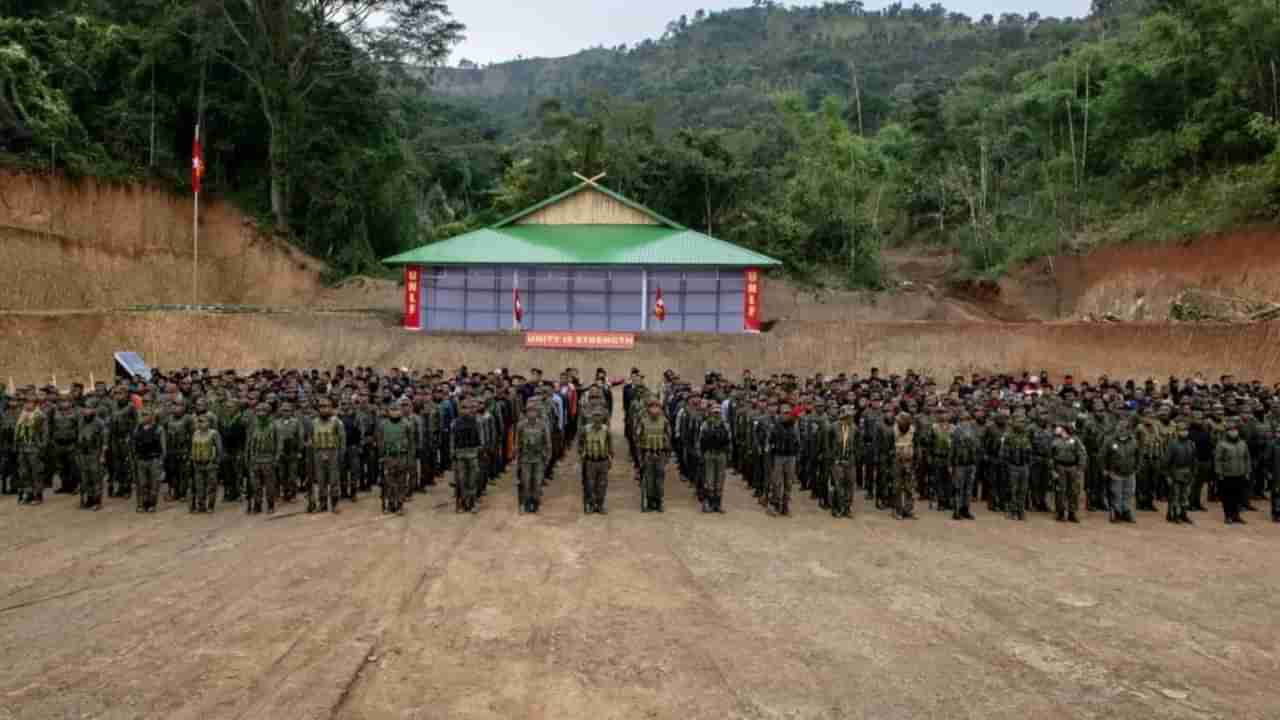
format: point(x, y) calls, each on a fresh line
point(715, 436)
point(653, 434)
point(290, 432)
point(784, 440)
point(1122, 456)
point(466, 433)
point(1235, 458)
point(395, 438)
point(90, 437)
point(262, 442)
point(326, 434)
point(964, 447)
point(203, 447)
point(147, 442)
point(904, 446)
point(1182, 454)
point(845, 443)
point(29, 429)
point(1066, 451)
point(941, 445)
point(597, 444)
point(1016, 450)
point(64, 428)
point(533, 438)
point(178, 435)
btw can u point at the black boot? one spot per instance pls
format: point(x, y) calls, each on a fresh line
point(717, 507)
point(706, 506)
point(1071, 517)
point(1061, 516)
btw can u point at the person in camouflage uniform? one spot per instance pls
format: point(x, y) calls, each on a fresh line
point(329, 448)
point(1272, 451)
point(8, 446)
point(395, 448)
point(263, 456)
point(939, 451)
point(465, 444)
point(595, 452)
point(177, 460)
point(31, 437)
point(148, 450)
point(351, 467)
point(885, 479)
point(206, 455)
point(965, 452)
point(1016, 455)
point(902, 500)
point(289, 468)
point(91, 458)
point(653, 438)
point(871, 427)
point(233, 428)
point(1040, 483)
point(1232, 464)
point(714, 442)
point(1070, 461)
point(533, 452)
point(1180, 459)
point(64, 429)
point(122, 421)
point(1121, 459)
point(844, 443)
point(784, 447)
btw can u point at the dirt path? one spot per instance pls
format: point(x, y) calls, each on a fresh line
point(679, 615)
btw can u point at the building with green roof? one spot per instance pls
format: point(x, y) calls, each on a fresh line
point(588, 259)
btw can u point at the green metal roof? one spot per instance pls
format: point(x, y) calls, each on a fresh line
point(505, 244)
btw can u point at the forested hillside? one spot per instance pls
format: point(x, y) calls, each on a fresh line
point(820, 134)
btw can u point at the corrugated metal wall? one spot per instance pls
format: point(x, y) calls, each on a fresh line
point(479, 299)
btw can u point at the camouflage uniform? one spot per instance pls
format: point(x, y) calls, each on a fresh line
point(595, 449)
point(714, 442)
point(395, 450)
point(91, 450)
point(844, 454)
point(263, 455)
point(329, 447)
point(653, 438)
point(206, 453)
point(533, 447)
point(31, 437)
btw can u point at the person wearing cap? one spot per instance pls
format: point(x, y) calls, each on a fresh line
point(1180, 459)
point(844, 445)
point(1121, 459)
point(395, 452)
point(465, 441)
point(206, 454)
point(653, 438)
point(91, 458)
point(149, 447)
point(714, 439)
point(64, 428)
point(328, 441)
point(31, 438)
point(533, 452)
point(1231, 464)
point(784, 447)
point(289, 466)
point(121, 422)
point(595, 452)
point(902, 498)
point(177, 458)
point(1016, 455)
point(870, 428)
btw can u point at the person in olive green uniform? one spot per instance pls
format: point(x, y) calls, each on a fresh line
point(31, 436)
point(533, 451)
point(1121, 459)
point(464, 444)
point(902, 500)
point(1231, 464)
point(8, 448)
point(714, 441)
point(595, 450)
point(91, 457)
point(653, 438)
point(395, 449)
point(121, 423)
point(1180, 459)
point(966, 452)
point(1016, 456)
point(64, 430)
point(263, 456)
point(148, 449)
point(844, 454)
point(177, 460)
point(206, 454)
point(289, 469)
point(329, 448)
point(1070, 461)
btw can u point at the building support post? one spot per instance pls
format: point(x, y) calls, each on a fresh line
point(644, 299)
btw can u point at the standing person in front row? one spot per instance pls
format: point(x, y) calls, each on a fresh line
point(1070, 461)
point(533, 452)
point(1231, 463)
point(91, 457)
point(206, 456)
point(395, 448)
point(329, 445)
point(595, 450)
point(714, 440)
point(148, 450)
point(653, 436)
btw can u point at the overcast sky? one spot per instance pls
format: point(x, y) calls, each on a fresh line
point(500, 30)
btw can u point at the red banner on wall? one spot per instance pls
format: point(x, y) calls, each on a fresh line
point(412, 298)
point(751, 304)
point(580, 340)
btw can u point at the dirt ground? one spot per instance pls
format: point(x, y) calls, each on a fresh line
point(631, 615)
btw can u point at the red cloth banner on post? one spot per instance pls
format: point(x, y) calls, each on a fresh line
point(517, 309)
point(412, 297)
point(659, 307)
point(197, 162)
point(751, 306)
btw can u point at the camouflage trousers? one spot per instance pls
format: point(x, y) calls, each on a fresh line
point(121, 467)
point(327, 482)
point(149, 472)
point(466, 477)
point(352, 472)
point(713, 469)
point(842, 482)
point(1019, 478)
point(89, 465)
point(204, 486)
point(177, 471)
point(1067, 483)
point(8, 471)
point(234, 472)
point(289, 476)
point(595, 482)
point(903, 498)
point(784, 477)
point(962, 486)
point(1122, 488)
point(653, 481)
point(261, 483)
point(62, 461)
point(30, 474)
point(1179, 490)
point(395, 480)
point(529, 473)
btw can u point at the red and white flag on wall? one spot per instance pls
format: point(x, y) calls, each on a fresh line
point(197, 161)
point(659, 307)
point(517, 309)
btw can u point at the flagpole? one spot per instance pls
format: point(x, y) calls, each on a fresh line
point(195, 249)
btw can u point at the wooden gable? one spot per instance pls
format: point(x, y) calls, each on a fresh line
point(588, 207)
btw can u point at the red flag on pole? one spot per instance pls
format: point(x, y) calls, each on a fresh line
point(659, 307)
point(516, 308)
point(197, 161)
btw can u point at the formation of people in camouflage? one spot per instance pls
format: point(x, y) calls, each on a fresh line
point(268, 438)
point(1019, 443)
